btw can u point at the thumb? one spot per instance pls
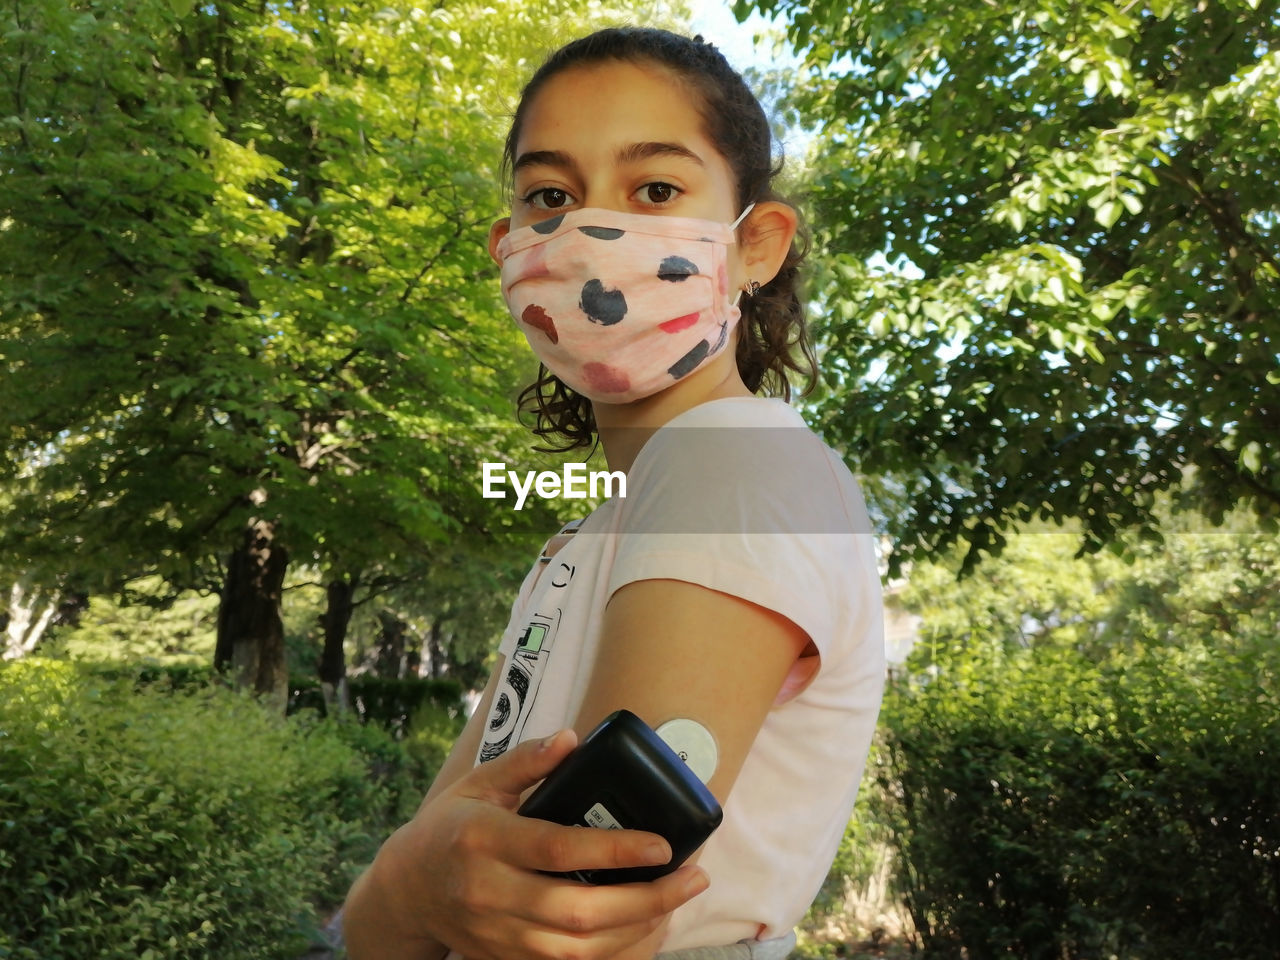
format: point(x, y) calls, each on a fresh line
point(503, 779)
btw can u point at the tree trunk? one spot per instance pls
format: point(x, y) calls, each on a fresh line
point(412, 660)
point(435, 648)
point(333, 664)
point(389, 661)
point(250, 631)
point(30, 613)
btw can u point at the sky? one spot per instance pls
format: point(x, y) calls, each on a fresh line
point(714, 19)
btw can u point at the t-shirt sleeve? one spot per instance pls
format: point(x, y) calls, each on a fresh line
point(511, 635)
point(756, 511)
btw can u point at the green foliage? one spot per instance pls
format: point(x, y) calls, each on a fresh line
point(244, 273)
point(1035, 592)
point(400, 775)
point(459, 609)
point(403, 728)
point(1216, 590)
point(386, 702)
point(431, 733)
point(1192, 590)
point(1046, 808)
point(1049, 271)
point(1079, 759)
point(168, 677)
point(153, 822)
point(144, 623)
point(466, 601)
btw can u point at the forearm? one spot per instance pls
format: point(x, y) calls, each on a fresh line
point(371, 932)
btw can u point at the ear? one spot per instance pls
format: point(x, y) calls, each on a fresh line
point(766, 239)
point(499, 230)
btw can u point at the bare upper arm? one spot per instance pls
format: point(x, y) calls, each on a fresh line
point(672, 649)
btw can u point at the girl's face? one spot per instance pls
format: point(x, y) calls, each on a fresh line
point(618, 136)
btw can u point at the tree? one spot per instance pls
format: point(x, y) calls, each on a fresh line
point(32, 599)
point(1050, 282)
point(28, 614)
point(1063, 718)
point(458, 608)
point(244, 294)
point(444, 613)
point(1213, 593)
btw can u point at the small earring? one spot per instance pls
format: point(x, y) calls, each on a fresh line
point(751, 288)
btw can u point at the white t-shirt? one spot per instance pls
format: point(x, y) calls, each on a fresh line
point(739, 496)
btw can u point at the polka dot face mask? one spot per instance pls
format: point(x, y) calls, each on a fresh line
point(620, 305)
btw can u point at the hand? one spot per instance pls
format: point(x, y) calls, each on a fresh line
point(464, 872)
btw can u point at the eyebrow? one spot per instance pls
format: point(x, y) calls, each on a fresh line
point(643, 151)
point(544, 158)
point(632, 153)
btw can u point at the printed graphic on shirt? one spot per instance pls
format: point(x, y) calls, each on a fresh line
point(519, 687)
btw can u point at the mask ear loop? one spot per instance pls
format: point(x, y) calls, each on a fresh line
point(734, 226)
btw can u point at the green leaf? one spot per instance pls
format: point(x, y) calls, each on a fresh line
point(1251, 457)
point(1057, 292)
point(1107, 213)
point(1092, 83)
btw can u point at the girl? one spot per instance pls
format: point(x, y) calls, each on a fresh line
point(733, 589)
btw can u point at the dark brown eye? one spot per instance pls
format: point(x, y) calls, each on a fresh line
point(550, 198)
point(659, 193)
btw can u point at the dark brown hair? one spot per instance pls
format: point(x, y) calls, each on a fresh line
point(773, 338)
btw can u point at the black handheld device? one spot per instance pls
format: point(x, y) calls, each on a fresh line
point(623, 776)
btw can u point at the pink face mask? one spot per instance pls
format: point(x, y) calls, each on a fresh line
point(620, 305)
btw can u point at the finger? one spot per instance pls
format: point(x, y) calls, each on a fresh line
point(542, 845)
point(545, 917)
point(540, 944)
point(581, 937)
point(574, 908)
point(504, 778)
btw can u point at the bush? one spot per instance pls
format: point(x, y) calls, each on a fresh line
point(148, 822)
point(388, 702)
point(1066, 809)
point(431, 733)
point(401, 773)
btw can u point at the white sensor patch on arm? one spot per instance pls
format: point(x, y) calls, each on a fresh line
point(693, 743)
